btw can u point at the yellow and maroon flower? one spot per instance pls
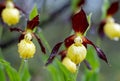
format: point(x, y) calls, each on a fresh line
point(76, 44)
point(108, 26)
point(9, 12)
point(26, 47)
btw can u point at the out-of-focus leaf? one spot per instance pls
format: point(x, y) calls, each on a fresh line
point(2, 73)
point(105, 8)
point(89, 22)
point(76, 4)
point(24, 72)
point(1, 31)
point(60, 72)
point(11, 72)
point(34, 12)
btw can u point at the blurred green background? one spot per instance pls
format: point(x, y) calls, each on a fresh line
point(55, 30)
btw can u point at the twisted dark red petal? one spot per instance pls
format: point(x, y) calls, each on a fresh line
point(69, 40)
point(100, 30)
point(54, 53)
point(113, 8)
point(81, 2)
point(79, 22)
point(21, 37)
point(16, 29)
point(63, 54)
point(100, 53)
point(41, 45)
point(33, 23)
point(87, 64)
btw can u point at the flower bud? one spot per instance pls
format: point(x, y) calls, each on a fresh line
point(76, 53)
point(112, 30)
point(26, 49)
point(11, 16)
point(71, 66)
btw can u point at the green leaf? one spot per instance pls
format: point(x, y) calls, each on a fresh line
point(89, 22)
point(74, 4)
point(12, 73)
point(2, 73)
point(92, 58)
point(91, 75)
point(104, 8)
point(24, 72)
point(34, 12)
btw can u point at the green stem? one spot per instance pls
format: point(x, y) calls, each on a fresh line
point(21, 65)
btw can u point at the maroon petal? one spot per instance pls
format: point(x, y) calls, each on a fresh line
point(33, 23)
point(99, 51)
point(69, 40)
point(113, 8)
point(79, 22)
point(100, 30)
point(2, 6)
point(21, 37)
point(41, 45)
point(63, 54)
point(87, 64)
point(81, 2)
point(53, 53)
point(16, 29)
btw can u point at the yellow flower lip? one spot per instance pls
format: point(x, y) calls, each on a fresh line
point(11, 16)
point(26, 49)
point(77, 53)
point(112, 29)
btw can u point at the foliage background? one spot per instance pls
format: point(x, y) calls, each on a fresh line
point(56, 30)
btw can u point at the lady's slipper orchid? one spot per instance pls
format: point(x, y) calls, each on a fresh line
point(26, 47)
point(76, 44)
point(108, 26)
point(9, 12)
